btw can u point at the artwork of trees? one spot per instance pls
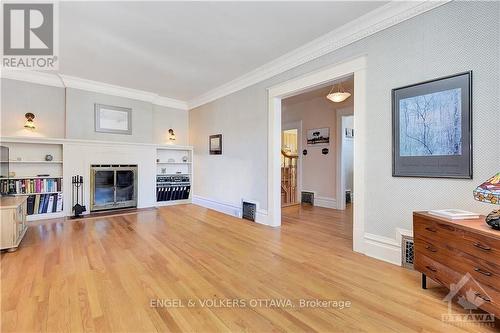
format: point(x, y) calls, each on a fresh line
point(431, 124)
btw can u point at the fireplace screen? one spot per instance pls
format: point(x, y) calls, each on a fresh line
point(113, 186)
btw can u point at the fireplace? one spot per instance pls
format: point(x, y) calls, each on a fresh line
point(113, 186)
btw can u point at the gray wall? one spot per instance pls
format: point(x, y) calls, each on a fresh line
point(47, 103)
point(150, 123)
point(455, 37)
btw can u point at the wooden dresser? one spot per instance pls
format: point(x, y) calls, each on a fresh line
point(446, 251)
point(13, 221)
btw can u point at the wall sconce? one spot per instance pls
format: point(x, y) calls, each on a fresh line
point(171, 135)
point(29, 124)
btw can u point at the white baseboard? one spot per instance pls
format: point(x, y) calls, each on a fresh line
point(228, 208)
point(325, 202)
point(383, 248)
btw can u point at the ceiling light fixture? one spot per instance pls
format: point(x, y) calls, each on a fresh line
point(338, 96)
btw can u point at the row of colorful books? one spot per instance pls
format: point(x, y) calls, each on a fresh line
point(44, 203)
point(26, 186)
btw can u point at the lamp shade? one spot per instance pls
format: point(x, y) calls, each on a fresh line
point(338, 97)
point(489, 191)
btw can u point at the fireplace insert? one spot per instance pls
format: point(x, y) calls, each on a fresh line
point(113, 186)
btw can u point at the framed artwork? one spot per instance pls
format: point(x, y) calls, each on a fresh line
point(318, 137)
point(215, 144)
point(349, 132)
point(113, 119)
point(432, 128)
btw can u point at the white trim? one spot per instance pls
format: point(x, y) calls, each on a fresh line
point(383, 248)
point(340, 177)
point(356, 67)
point(66, 81)
point(325, 202)
point(377, 20)
point(229, 208)
point(42, 140)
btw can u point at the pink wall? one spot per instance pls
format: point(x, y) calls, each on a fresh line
point(319, 171)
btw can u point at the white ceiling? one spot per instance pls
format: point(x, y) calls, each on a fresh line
point(184, 49)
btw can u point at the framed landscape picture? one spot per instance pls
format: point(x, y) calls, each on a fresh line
point(432, 128)
point(318, 137)
point(113, 119)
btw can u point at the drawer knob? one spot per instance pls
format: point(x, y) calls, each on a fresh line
point(430, 229)
point(431, 248)
point(432, 269)
point(479, 270)
point(482, 247)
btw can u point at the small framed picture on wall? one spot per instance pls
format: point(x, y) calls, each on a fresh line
point(215, 144)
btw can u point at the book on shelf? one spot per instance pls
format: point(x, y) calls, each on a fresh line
point(31, 185)
point(454, 214)
point(44, 203)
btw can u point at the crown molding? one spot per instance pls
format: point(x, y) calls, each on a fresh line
point(377, 20)
point(66, 81)
point(44, 78)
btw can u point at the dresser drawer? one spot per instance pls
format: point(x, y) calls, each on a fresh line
point(436, 271)
point(487, 248)
point(436, 230)
point(487, 298)
point(482, 270)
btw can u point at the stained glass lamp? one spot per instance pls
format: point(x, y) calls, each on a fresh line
point(489, 191)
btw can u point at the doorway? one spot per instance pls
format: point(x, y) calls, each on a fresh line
point(355, 67)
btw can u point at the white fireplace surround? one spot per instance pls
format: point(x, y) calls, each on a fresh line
point(78, 155)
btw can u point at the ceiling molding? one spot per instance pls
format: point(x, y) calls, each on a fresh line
point(377, 20)
point(62, 81)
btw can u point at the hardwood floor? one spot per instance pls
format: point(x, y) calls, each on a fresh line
point(103, 275)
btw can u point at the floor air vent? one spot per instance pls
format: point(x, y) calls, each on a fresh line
point(249, 211)
point(407, 249)
point(307, 198)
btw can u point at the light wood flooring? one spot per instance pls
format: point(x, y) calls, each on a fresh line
point(103, 274)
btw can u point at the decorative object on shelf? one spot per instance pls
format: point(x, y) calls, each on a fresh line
point(349, 132)
point(184, 159)
point(49, 157)
point(304, 152)
point(157, 160)
point(324, 151)
point(77, 196)
point(113, 119)
point(29, 124)
point(318, 137)
point(171, 135)
point(215, 144)
point(432, 128)
point(338, 95)
point(163, 170)
point(489, 192)
point(12, 174)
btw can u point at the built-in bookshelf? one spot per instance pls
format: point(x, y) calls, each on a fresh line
point(174, 175)
point(36, 171)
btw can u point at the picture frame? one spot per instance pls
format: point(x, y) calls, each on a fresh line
point(215, 144)
point(113, 119)
point(318, 137)
point(432, 128)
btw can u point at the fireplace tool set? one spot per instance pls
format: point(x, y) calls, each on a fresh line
point(77, 196)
